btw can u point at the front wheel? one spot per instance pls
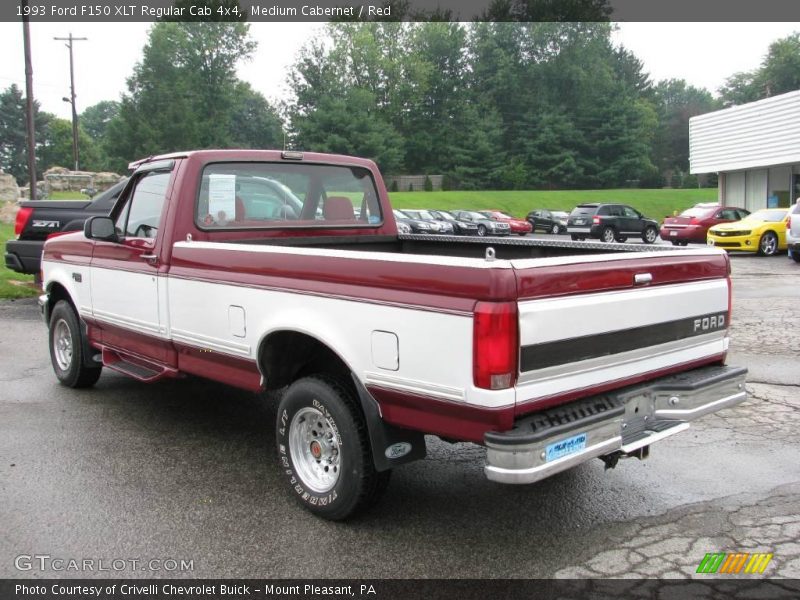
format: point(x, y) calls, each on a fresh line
point(481, 230)
point(795, 255)
point(768, 244)
point(66, 348)
point(324, 449)
point(555, 229)
point(650, 235)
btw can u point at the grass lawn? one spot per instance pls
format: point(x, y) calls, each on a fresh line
point(67, 196)
point(653, 203)
point(9, 280)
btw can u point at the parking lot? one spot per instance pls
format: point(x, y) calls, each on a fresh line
point(185, 470)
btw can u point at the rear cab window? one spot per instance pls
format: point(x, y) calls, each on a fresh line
point(266, 195)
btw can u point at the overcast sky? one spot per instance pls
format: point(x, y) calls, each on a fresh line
point(704, 54)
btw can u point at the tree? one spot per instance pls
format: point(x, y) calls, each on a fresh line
point(13, 133)
point(676, 103)
point(56, 146)
point(778, 73)
point(184, 93)
point(95, 119)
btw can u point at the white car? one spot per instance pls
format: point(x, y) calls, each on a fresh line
point(793, 232)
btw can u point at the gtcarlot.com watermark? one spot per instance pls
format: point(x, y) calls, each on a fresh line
point(57, 564)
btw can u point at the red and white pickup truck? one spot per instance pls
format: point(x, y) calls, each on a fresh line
point(272, 270)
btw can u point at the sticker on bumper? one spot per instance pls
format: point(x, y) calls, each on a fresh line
point(570, 445)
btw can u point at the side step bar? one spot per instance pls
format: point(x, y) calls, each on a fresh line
point(136, 367)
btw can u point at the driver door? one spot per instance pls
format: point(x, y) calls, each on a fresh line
point(124, 274)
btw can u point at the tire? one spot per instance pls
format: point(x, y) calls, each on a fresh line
point(555, 229)
point(608, 235)
point(328, 462)
point(674, 243)
point(522, 234)
point(768, 244)
point(65, 338)
point(481, 230)
point(621, 239)
point(577, 238)
point(650, 235)
point(795, 255)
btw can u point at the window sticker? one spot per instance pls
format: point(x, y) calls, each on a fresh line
point(222, 198)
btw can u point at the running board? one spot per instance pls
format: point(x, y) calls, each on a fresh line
point(140, 369)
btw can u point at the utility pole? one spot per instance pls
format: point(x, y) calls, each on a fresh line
point(29, 123)
point(71, 99)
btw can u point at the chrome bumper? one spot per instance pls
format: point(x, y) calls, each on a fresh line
point(43, 302)
point(620, 422)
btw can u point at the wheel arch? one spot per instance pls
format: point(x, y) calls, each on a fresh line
point(286, 355)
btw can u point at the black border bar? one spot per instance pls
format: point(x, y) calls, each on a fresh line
point(411, 10)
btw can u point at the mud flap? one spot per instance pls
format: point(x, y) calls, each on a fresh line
point(391, 446)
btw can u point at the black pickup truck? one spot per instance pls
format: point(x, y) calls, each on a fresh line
point(38, 219)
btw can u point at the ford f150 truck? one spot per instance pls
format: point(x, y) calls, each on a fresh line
point(274, 270)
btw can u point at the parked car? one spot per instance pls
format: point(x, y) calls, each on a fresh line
point(485, 225)
point(416, 225)
point(550, 221)
point(374, 345)
point(518, 226)
point(793, 232)
point(441, 226)
point(610, 222)
point(692, 224)
point(38, 219)
point(763, 231)
point(459, 227)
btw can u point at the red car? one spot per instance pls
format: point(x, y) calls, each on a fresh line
point(692, 224)
point(519, 226)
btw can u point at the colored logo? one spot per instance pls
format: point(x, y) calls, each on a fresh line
point(734, 562)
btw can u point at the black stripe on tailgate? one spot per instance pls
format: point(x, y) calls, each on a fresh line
point(549, 354)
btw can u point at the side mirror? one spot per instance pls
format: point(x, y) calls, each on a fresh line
point(100, 228)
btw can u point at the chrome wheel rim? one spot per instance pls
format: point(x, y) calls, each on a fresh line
point(608, 236)
point(769, 244)
point(62, 344)
point(315, 449)
point(650, 236)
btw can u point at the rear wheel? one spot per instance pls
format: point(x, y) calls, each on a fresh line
point(649, 235)
point(324, 449)
point(66, 348)
point(608, 235)
point(795, 255)
point(555, 229)
point(768, 244)
point(622, 238)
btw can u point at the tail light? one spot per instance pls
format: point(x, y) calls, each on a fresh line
point(788, 220)
point(23, 216)
point(596, 220)
point(495, 345)
point(694, 221)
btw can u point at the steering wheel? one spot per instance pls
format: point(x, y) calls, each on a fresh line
point(146, 231)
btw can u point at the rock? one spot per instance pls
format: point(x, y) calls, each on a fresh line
point(9, 190)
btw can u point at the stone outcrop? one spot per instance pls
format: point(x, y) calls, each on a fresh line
point(9, 190)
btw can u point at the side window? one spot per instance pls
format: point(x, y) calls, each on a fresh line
point(629, 212)
point(605, 211)
point(142, 214)
point(729, 213)
point(742, 213)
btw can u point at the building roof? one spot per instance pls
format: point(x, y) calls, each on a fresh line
point(759, 134)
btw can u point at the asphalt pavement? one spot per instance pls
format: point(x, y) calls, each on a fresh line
point(185, 470)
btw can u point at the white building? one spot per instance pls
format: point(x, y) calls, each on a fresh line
point(755, 149)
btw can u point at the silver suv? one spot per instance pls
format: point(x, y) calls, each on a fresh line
point(793, 232)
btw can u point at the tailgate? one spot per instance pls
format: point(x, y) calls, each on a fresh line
point(597, 323)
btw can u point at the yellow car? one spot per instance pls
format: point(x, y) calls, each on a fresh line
point(763, 231)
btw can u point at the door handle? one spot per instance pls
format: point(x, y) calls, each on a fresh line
point(148, 257)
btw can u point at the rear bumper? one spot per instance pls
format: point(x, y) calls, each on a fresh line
point(684, 234)
point(24, 256)
point(622, 421)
